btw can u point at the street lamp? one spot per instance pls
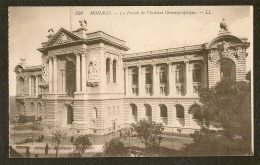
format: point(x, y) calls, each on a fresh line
point(15, 121)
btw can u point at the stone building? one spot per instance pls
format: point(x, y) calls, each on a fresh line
point(87, 81)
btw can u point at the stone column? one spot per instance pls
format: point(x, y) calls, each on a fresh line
point(169, 75)
point(140, 85)
point(187, 80)
point(83, 72)
point(154, 79)
point(55, 75)
point(50, 75)
point(205, 74)
point(111, 71)
point(63, 83)
point(126, 81)
point(30, 85)
point(173, 79)
point(36, 85)
point(78, 72)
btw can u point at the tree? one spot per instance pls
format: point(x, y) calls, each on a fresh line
point(227, 106)
point(58, 138)
point(148, 132)
point(115, 148)
point(82, 143)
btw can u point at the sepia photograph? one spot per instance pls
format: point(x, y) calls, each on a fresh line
point(130, 81)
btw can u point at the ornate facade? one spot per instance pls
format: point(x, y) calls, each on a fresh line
point(88, 82)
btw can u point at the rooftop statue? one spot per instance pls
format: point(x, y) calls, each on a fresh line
point(83, 23)
point(223, 25)
point(51, 32)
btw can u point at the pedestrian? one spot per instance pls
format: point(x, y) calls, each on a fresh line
point(42, 137)
point(46, 149)
point(27, 152)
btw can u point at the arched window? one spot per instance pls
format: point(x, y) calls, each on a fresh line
point(197, 73)
point(95, 112)
point(227, 70)
point(163, 75)
point(114, 71)
point(108, 70)
point(179, 111)
point(163, 111)
point(70, 77)
point(21, 86)
point(134, 110)
point(148, 110)
point(32, 108)
point(179, 74)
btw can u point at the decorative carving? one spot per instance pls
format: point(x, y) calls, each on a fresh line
point(83, 23)
point(45, 70)
point(92, 69)
point(93, 80)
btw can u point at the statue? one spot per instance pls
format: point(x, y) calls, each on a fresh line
point(83, 23)
point(92, 69)
point(51, 32)
point(223, 25)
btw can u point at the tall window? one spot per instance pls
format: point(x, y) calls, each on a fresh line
point(134, 110)
point(179, 111)
point(134, 80)
point(33, 80)
point(70, 77)
point(134, 76)
point(148, 75)
point(39, 110)
point(108, 70)
point(163, 111)
point(114, 71)
point(163, 75)
point(196, 73)
point(179, 75)
point(179, 78)
point(148, 80)
point(227, 70)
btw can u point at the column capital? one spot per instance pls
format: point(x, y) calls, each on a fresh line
point(84, 54)
point(125, 67)
point(54, 58)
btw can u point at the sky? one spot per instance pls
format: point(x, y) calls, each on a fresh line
point(28, 28)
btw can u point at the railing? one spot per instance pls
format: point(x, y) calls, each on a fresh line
point(148, 89)
point(163, 88)
point(163, 51)
point(104, 35)
point(196, 87)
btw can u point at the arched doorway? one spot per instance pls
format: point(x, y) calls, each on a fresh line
point(32, 109)
point(133, 112)
point(148, 112)
point(164, 114)
point(70, 77)
point(227, 70)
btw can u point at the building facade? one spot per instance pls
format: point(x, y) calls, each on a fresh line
point(89, 83)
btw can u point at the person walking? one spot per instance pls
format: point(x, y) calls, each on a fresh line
point(27, 152)
point(46, 149)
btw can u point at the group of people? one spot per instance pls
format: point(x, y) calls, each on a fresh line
point(27, 153)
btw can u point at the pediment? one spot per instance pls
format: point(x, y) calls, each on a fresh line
point(226, 40)
point(62, 37)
